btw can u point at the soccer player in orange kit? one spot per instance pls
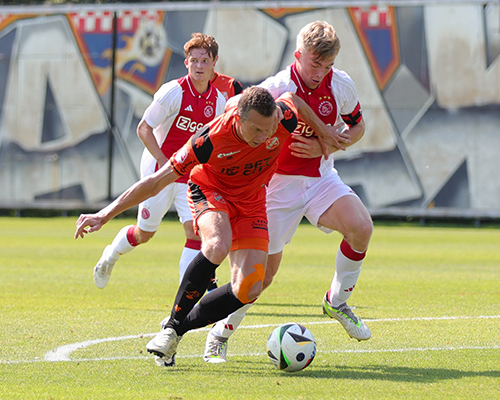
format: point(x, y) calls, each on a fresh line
point(230, 161)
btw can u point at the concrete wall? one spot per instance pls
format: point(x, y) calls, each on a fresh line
point(428, 78)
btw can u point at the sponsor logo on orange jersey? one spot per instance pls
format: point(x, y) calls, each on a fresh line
point(222, 155)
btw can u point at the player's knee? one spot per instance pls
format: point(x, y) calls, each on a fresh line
point(143, 236)
point(252, 285)
point(360, 235)
point(189, 231)
point(267, 281)
point(255, 291)
point(247, 295)
point(366, 230)
point(192, 236)
point(215, 249)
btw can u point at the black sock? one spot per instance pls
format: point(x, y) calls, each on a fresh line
point(193, 286)
point(213, 283)
point(214, 306)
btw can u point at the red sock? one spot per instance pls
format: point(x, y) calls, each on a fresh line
point(131, 236)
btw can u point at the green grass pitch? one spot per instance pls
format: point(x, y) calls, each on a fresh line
point(431, 297)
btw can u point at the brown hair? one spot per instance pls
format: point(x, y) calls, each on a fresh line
point(320, 39)
point(201, 41)
point(258, 99)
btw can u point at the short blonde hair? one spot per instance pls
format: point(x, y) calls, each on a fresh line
point(320, 39)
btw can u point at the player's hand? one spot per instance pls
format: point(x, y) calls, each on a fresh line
point(311, 147)
point(88, 223)
point(305, 147)
point(338, 138)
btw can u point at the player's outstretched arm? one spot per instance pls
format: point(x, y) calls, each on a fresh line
point(140, 191)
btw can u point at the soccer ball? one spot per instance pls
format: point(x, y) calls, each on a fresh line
point(291, 347)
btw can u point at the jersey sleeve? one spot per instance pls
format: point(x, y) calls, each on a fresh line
point(347, 95)
point(166, 101)
point(290, 113)
point(279, 84)
point(197, 150)
point(221, 103)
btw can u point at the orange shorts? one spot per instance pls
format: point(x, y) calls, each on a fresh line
point(248, 219)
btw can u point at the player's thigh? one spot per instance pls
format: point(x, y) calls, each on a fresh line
point(184, 213)
point(349, 216)
point(152, 210)
point(285, 210)
point(181, 202)
point(321, 196)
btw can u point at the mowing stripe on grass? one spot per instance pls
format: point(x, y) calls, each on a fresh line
point(359, 351)
point(63, 353)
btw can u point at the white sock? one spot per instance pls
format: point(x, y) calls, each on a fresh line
point(346, 274)
point(226, 327)
point(187, 256)
point(120, 245)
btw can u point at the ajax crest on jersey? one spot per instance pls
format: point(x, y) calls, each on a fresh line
point(291, 347)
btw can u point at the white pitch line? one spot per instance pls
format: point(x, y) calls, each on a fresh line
point(63, 353)
point(358, 351)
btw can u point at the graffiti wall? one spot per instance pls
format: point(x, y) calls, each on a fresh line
point(74, 86)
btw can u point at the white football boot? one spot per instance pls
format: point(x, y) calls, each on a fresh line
point(354, 326)
point(164, 345)
point(102, 270)
point(215, 349)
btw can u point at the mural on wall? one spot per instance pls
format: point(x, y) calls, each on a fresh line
point(428, 83)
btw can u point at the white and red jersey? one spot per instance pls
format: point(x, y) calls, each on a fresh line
point(177, 112)
point(335, 100)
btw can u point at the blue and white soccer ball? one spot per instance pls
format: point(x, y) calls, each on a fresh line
point(291, 347)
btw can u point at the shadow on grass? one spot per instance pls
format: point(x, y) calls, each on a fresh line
point(370, 372)
point(318, 311)
point(287, 305)
point(395, 374)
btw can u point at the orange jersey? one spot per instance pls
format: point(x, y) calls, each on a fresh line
point(217, 158)
point(228, 86)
